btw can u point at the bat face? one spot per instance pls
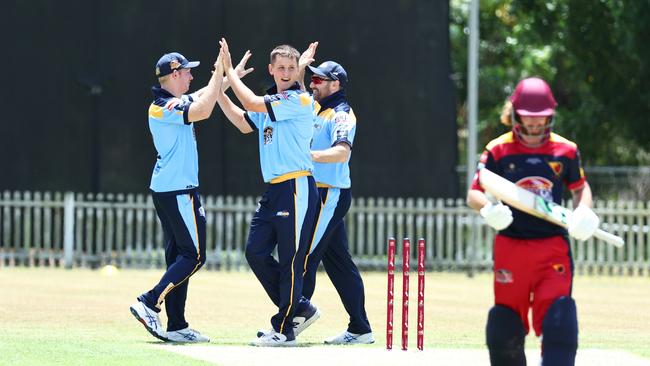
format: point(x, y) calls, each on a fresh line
point(533, 204)
point(554, 212)
point(520, 198)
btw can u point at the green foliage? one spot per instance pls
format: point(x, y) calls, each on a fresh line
point(591, 53)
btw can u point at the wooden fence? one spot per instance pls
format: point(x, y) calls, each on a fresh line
point(76, 230)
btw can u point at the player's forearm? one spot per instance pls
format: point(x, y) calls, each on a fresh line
point(225, 84)
point(202, 108)
point(197, 94)
point(476, 199)
point(336, 154)
point(248, 99)
point(582, 196)
point(234, 114)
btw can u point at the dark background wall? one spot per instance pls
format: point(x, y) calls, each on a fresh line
point(77, 77)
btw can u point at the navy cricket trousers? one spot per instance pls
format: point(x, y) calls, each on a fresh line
point(284, 218)
point(330, 245)
point(183, 223)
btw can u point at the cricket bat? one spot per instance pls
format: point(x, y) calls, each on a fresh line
point(535, 205)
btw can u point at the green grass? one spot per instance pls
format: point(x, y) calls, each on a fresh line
point(81, 317)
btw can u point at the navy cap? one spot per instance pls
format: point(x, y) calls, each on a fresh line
point(331, 70)
point(173, 61)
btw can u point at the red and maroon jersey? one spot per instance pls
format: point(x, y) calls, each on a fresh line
point(543, 170)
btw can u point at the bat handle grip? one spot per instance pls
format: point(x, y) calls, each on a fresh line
point(615, 240)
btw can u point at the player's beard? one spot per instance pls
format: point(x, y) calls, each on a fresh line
point(316, 94)
point(530, 138)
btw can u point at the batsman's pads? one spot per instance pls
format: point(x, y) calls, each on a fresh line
point(560, 333)
point(505, 335)
point(583, 223)
point(497, 216)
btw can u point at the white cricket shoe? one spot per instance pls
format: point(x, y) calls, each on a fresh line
point(149, 319)
point(263, 332)
point(273, 339)
point(305, 319)
point(351, 338)
point(186, 335)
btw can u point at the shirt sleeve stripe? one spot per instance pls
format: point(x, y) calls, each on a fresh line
point(269, 109)
point(342, 141)
point(250, 122)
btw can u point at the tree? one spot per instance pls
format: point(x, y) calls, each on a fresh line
point(591, 53)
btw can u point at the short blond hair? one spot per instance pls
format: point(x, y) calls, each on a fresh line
point(163, 79)
point(284, 50)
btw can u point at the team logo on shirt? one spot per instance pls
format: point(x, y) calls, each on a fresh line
point(538, 185)
point(268, 135)
point(503, 276)
point(282, 214)
point(556, 167)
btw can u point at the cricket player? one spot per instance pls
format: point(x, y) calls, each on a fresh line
point(174, 189)
point(533, 266)
point(285, 215)
point(334, 131)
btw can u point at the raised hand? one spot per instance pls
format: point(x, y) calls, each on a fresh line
point(225, 55)
point(240, 70)
point(241, 66)
point(307, 57)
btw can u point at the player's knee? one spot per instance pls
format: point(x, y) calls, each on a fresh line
point(192, 260)
point(253, 258)
point(202, 261)
point(560, 333)
point(505, 335)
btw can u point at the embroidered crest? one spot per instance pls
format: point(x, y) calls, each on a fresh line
point(174, 64)
point(503, 276)
point(559, 268)
point(268, 135)
point(556, 167)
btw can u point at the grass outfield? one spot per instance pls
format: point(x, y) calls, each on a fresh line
point(81, 317)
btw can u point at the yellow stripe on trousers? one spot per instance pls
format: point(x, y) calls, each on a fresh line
point(171, 286)
point(320, 212)
point(296, 245)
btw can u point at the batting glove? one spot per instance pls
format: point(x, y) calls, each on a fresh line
point(583, 223)
point(497, 216)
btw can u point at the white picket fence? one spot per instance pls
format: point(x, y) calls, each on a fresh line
point(76, 230)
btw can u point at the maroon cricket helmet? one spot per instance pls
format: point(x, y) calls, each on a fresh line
point(533, 97)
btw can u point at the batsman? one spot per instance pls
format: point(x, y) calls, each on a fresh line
point(533, 265)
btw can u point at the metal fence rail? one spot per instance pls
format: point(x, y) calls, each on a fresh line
point(76, 230)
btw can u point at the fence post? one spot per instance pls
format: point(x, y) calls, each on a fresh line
point(68, 229)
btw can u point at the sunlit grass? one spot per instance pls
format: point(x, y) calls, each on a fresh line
point(54, 316)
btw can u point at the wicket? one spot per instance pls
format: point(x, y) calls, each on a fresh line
point(406, 266)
